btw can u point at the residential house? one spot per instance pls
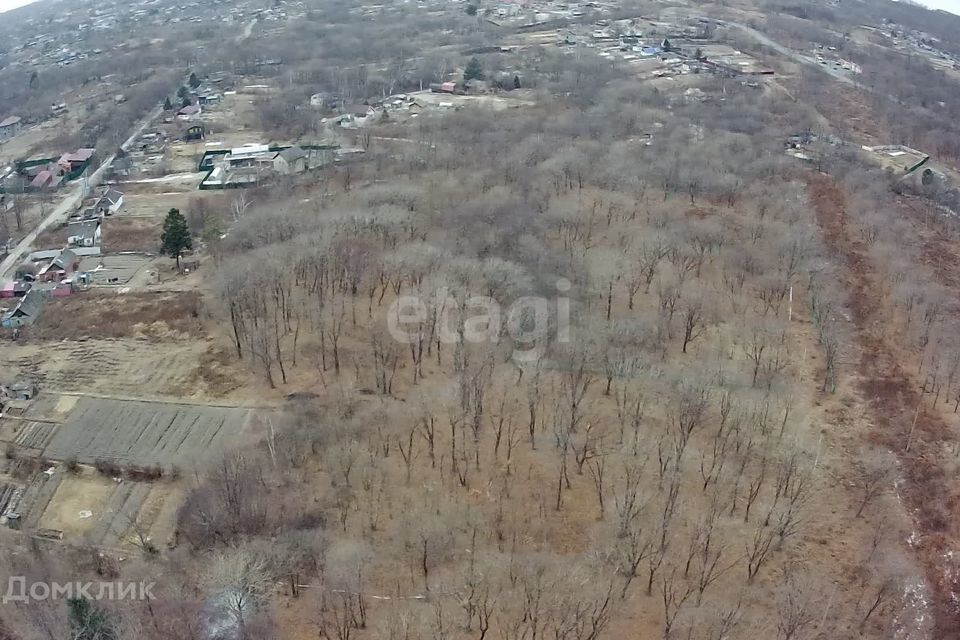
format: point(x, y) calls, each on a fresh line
point(291, 161)
point(44, 179)
point(358, 110)
point(9, 127)
point(242, 166)
point(250, 155)
point(193, 133)
point(18, 390)
point(208, 97)
point(84, 234)
point(109, 203)
point(189, 112)
point(25, 313)
point(13, 289)
point(61, 268)
point(324, 100)
point(70, 162)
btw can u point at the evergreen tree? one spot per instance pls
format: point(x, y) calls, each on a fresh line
point(88, 621)
point(183, 92)
point(471, 9)
point(666, 45)
point(194, 81)
point(185, 102)
point(474, 70)
point(516, 82)
point(167, 105)
point(175, 238)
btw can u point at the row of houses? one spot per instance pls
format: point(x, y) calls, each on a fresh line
point(55, 274)
point(251, 163)
point(38, 282)
point(46, 174)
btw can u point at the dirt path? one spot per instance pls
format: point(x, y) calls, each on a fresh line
point(892, 399)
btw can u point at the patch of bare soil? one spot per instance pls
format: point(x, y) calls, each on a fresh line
point(105, 315)
point(77, 503)
point(916, 435)
point(52, 238)
point(131, 234)
point(217, 374)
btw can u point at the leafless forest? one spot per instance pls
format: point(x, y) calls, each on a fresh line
point(735, 419)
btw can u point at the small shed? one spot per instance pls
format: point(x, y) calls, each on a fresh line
point(25, 313)
point(291, 161)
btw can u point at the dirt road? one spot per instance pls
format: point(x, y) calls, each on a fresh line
point(796, 56)
point(890, 397)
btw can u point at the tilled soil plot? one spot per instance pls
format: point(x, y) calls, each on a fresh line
point(129, 432)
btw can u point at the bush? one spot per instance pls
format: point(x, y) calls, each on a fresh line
point(108, 468)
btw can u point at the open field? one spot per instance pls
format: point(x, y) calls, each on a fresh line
point(150, 315)
point(129, 367)
point(145, 433)
point(77, 504)
point(494, 102)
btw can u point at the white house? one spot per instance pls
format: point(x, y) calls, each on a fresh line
point(84, 234)
point(110, 202)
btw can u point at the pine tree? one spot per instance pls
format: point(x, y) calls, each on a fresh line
point(183, 92)
point(88, 621)
point(194, 81)
point(516, 82)
point(167, 105)
point(474, 70)
point(175, 238)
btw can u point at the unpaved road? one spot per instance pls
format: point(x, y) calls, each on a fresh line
point(890, 397)
point(796, 56)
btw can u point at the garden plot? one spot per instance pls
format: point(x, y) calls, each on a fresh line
point(130, 432)
point(34, 434)
point(78, 505)
point(36, 497)
point(119, 515)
